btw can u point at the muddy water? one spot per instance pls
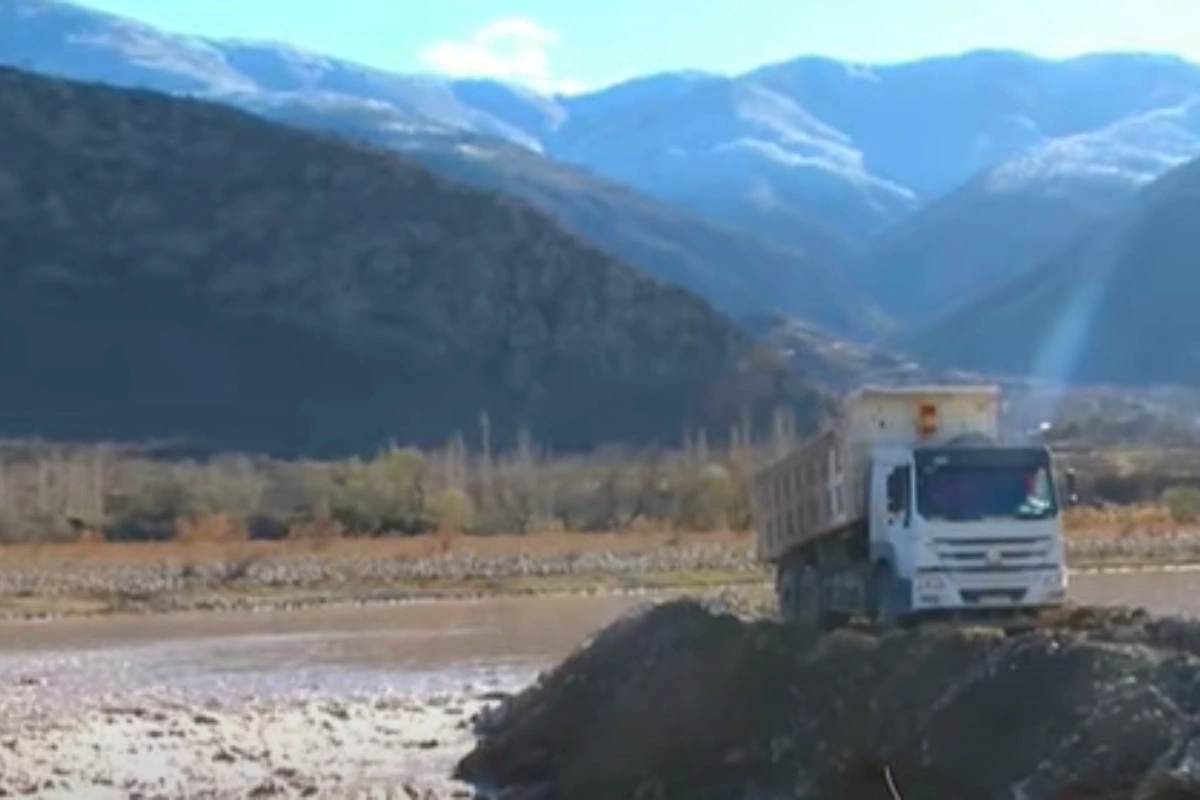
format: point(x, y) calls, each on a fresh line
point(1159, 592)
point(424, 648)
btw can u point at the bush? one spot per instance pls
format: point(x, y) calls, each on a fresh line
point(52, 492)
point(706, 499)
point(1183, 503)
point(452, 511)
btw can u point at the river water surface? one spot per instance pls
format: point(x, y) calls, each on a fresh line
point(421, 648)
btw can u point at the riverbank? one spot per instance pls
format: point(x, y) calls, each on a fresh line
point(85, 579)
point(76, 579)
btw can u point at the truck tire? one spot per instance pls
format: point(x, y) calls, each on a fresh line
point(798, 590)
point(881, 597)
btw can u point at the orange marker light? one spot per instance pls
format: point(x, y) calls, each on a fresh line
point(927, 420)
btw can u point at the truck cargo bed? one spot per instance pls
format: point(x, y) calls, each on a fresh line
point(820, 487)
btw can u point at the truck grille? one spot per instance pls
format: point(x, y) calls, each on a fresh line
point(994, 555)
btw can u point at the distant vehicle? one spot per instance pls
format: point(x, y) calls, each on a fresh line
point(908, 506)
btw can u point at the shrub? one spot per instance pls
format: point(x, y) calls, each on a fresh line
point(452, 511)
point(1183, 503)
point(706, 499)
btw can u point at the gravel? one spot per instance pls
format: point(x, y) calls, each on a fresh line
point(290, 581)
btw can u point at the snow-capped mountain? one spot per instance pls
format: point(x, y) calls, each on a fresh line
point(731, 148)
point(1013, 216)
point(481, 131)
point(826, 159)
point(1128, 154)
point(929, 125)
point(741, 274)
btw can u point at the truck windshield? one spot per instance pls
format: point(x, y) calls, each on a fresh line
point(974, 484)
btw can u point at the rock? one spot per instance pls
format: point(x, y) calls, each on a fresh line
point(267, 788)
point(337, 711)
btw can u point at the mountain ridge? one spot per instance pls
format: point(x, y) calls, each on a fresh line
point(668, 243)
point(1010, 218)
point(854, 129)
point(181, 268)
point(895, 192)
point(1114, 306)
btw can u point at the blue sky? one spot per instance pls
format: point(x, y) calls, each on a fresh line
point(561, 44)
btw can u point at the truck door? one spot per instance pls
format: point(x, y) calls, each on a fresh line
point(891, 506)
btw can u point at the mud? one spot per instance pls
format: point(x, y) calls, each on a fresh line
point(683, 700)
point(168, 747)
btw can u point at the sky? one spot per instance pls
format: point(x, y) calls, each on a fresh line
point(562, 45)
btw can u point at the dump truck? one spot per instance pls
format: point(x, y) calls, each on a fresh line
point(909, 506)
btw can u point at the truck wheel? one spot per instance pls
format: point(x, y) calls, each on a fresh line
point(882, 597)
point(799, 595)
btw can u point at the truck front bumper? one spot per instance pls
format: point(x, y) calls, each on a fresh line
point(952, 589)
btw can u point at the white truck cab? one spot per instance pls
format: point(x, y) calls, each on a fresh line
point(907, 506)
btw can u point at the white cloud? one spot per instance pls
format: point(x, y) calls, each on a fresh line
point(512, 49)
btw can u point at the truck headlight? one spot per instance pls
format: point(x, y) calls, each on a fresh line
point(1056, 579)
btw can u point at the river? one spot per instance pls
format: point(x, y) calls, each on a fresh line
point(413, 647)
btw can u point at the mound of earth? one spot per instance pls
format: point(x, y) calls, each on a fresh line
point(682, 701)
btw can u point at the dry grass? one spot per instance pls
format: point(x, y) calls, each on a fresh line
point(1120, 521)
point(211, 528)
point(221, 537)
point(416, 547)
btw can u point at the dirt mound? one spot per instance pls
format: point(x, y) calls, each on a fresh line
point(680, 701)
